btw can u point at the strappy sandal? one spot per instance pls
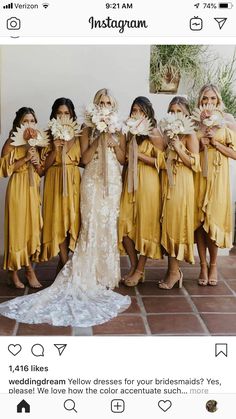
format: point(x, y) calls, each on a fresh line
point(169, 285)
point(133, 283)
point(213, 281)
point(203, 281)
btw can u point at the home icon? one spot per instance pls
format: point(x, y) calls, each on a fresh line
point(23, 406)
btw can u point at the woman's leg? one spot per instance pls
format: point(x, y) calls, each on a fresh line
point(213, 251)
point(15, 280)
point(201, 238)
point(31, 277)
point(138, 275)
point(131, 252)
point(173, 274)
point(64, 252)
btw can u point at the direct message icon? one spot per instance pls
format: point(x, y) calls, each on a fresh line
point(164, 405)
point(14, 349)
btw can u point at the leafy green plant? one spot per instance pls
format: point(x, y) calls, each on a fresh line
point(224, 77)
point(173, 61)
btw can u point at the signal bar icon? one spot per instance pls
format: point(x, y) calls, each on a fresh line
point(8, 6)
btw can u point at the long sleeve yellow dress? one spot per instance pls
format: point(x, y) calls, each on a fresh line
point(61, 214)
point(140, 211)
point(23, 221)
point(177, 220)
point(213, 210)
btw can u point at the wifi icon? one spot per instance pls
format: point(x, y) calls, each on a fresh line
point(45, 5)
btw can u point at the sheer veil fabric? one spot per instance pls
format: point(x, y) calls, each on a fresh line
point(81, 294)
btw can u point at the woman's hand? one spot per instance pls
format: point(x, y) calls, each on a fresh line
point(111, 141)
point(57, 143)
point(210, 132)
point(175, 143)
point(30, 153)
point(35, 158)
point(29, 133)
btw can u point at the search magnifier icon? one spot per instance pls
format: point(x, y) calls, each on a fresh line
point(69, 405)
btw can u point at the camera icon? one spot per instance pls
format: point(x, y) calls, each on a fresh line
point(13, 23)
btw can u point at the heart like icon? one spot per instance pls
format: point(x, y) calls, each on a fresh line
point(164, 405)
point(14, 349)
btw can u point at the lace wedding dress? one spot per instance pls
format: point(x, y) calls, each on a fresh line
point(82, 293)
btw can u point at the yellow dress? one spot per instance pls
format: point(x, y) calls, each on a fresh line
point(177, 237)
point(61, 214)
point(23, 221)
point(213, 198)
point(140, 211)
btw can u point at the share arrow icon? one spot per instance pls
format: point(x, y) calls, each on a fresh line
point(60, 348)
point(221, 21)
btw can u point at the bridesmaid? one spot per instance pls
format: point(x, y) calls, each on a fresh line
point(61, 214)
point(213, 206)
point(22, 206)
point(140, 210)
point(177, 237)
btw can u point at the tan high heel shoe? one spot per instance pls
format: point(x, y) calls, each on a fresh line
point(15, 282)
point(170, 285)
point(133, 283)
point(32, 279)
point(203, 281)
point(126, 276)
point(212, 281)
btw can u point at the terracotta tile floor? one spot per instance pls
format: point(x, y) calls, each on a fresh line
point(192, 310)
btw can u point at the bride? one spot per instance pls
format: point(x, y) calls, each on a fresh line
point(82, 293)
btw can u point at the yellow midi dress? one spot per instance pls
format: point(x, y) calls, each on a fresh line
point(177, 220)
point(23, 221)
point(213, 209)
point(61, 214)
point(140, 211)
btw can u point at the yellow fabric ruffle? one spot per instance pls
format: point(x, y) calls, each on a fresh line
point(213, 210)
point(177, 237)
point(61, 214)
point(23, 221)
point(140, 211)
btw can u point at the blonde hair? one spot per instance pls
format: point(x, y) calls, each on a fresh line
point(105, 92)
point(214, 88)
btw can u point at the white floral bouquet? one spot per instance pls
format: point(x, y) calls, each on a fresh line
point(101, 119)
point(174, 124)
point(35, 137)
point(30, 136)
point(64, 128)
point(208, 116)
point(137, 126)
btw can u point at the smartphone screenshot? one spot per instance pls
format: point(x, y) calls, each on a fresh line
point(117, 209)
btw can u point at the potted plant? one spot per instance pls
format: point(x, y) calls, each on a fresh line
point(170, 62)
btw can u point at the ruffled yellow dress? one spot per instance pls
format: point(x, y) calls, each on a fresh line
point(140, 211)
point(23, 221)
point(213, 209)
point(177, 237)
point(61, 214)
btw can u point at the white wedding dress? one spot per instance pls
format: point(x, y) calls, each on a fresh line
point(82, 295)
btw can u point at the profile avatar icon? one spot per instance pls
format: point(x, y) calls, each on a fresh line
point(211, 406)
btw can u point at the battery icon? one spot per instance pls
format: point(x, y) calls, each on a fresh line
point(225, 5)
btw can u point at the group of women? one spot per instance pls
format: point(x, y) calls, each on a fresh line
point(164, 203)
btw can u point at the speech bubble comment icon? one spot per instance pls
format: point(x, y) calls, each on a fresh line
point(164, 405)
point(14, 349)
point(37, 350)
